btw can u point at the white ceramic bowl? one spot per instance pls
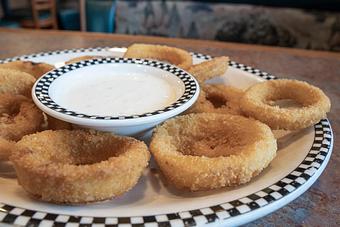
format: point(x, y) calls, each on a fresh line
point(62, 92)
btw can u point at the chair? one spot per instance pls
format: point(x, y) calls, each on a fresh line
point(43, 15)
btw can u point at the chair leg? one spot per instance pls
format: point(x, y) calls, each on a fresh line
point(43, 5)
point(54, 15)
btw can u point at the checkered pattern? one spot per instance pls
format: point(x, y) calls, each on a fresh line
point(42, 54)
point(240, 66)
point(42, 87)
point(201, 56)
point(251, 70)
point(321, 148)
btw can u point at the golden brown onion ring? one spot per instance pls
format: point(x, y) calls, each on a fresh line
point(33, 68)
point(56, 124)
point(314, 104)
point(15, 82)
point(18, 117)
point(78, 166)
point(82, 58)
point(6, 148)
point(173, 55)
point(207, 151)
point(218, 98)
point(209, 69)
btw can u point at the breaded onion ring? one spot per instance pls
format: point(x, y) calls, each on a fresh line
point(82, 58)
point(257, 100)
point(36, 69)
point(173, 55)
point(6, 148)
point(15, 82)
point(18, 117)
point(78, 166)
point(218, 98)
point(209, 69)
point(207, 151)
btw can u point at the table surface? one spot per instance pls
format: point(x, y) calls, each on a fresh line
point(320, 205)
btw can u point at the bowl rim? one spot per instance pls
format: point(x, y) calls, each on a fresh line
point(41, 97)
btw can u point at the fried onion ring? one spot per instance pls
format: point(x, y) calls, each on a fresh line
point(218, 98)
point(15, 82)
point(257, 103)
point(82, 58)
point(18, 117)
point(173, 55)
point(56, 124)
point(207, 151)
point(33, 68)
point(78, 166)
point(209, 69)
point(6, 148)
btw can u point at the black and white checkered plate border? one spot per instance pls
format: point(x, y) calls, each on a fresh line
point(309, 168)
point(44, 83)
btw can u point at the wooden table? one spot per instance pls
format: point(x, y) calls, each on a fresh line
point(320, 205)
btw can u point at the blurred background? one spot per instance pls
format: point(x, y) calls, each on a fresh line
point(308, 24)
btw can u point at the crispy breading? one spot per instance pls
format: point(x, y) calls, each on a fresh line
point(209, 69)
point(78, 166)
point(33, 68)
point(218, 98)
point(207, 150)
point(257, 103)
point(173, 55)
point(15, 82)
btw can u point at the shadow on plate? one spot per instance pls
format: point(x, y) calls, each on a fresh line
point(7, 170)
point(286, 138)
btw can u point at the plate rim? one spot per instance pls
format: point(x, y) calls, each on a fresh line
point(275, 195)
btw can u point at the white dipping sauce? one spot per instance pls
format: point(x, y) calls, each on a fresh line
point(116, 93)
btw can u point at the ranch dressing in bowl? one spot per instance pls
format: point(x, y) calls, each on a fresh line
point(119, 95)
point(116, 91)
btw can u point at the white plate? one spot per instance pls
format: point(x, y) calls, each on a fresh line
point(301, 158)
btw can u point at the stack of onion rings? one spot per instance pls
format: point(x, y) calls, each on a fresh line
point(18, 117)
point(79, 166)
point(207, 151)
point(256, 103)
point(33, 68)
point(173, 55)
